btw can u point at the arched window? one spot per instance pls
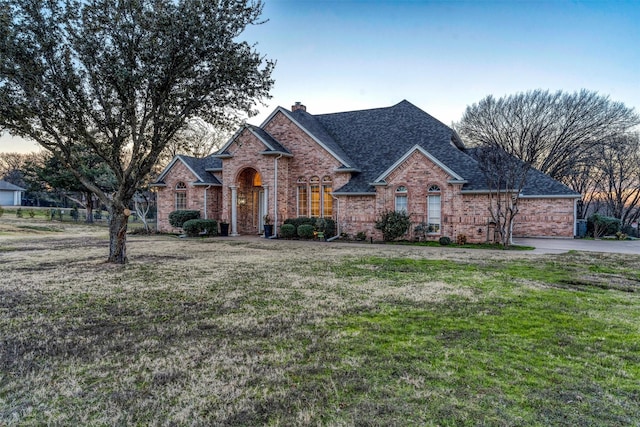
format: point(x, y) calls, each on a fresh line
point(434, 210)
point(401, 199)
point(314, 190)
point(303, 197)
point(181, 196)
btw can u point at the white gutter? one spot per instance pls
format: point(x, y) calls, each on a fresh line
point(275, 197)
point(337, 236)
point(205, 201)
point(575, 218)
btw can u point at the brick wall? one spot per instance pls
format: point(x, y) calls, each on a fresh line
point(309, 159)
point(460, 213)
point(545, 217)
point(195, 197)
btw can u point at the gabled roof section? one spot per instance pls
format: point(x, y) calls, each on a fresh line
point(377, 139)
point(199, 167)
point(7, 186)
point(271, 144)
point(418, 148)
point(310, 125)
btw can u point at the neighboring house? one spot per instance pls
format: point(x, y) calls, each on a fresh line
point(10, 195)
point(351, 167)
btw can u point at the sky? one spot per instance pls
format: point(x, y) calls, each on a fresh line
point(442, 56)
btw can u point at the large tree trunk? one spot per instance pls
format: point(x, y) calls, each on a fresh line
point(118, 218)
point(89, 207)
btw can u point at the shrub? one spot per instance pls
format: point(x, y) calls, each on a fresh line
point(1, 211)
point(461, 239)
point(196, 227)
point(393, 224)
point(444, 241)
point(305, 231)
point(19, 213)
point(600, 225)
point(178, 218)
point(328, 224)
point(361, 235)
point(287, 231)
point(31, 213)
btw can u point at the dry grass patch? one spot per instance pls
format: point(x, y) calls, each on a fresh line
point(256, 332)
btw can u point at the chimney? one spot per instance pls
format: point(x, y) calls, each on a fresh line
point(298, 106)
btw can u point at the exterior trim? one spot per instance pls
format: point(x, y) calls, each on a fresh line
point(203, 184)
point(276, 153)
point(556, 196)
point(353, 194)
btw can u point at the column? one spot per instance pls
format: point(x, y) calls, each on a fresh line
point(265, 204)
point(234, 210)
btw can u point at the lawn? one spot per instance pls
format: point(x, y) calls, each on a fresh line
point(256, 332)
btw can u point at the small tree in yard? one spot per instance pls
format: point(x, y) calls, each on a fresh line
point(393, 225)
point(142, 204)
point(505, 177)
point(119, 80)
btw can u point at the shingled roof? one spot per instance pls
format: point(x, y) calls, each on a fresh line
point(7, 186)
point(373, 140)
point(370, 142)
point(200, 167)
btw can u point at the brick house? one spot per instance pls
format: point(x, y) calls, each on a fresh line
point(351, 167)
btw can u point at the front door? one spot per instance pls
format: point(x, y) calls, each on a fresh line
point(249, 204)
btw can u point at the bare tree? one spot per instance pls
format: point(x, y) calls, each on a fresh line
point(554, 132)
point(12, 166)
point(619, 166)
point(584, 179)
point(505, 176)
point(198, 139)
point(121, 78)
point(142, 202)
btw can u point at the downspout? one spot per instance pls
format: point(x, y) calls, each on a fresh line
point(337, 236)
point(205, 202)
point(575, 218)
point(275, 198)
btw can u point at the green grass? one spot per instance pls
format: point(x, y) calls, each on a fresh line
point(232, 332)
point(492, 246)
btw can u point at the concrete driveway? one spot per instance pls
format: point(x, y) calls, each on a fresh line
point(557, 246)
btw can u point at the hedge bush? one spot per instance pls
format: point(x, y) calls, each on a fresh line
point(178, 218)
point(194, 227)
point(315, 222)
point(305, 231)
point(444, 241)
point(287, 231)
point(393, 224)
point(600, 225)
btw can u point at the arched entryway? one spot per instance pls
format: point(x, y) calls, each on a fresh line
point(250, 202)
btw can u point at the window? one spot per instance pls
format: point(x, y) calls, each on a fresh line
point(314, 187)
point(401, 199)
point(303, 197)
point(433, 209)
point(314, 197)
point(181, 196)
point(327, 200)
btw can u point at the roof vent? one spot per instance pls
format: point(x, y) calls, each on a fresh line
point(298, 106)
